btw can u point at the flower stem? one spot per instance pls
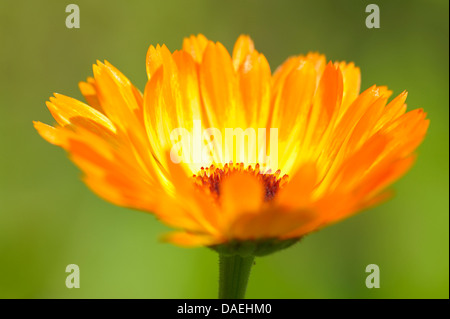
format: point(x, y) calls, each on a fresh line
point(234, 273)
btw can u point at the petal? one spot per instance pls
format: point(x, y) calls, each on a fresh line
point(68, 111)
point(297, 193)
point(171, 105)
point(121, 190)
point(89, 91)
point(322, 117)
point(240, 193)
point(254, 83)
point(294, 98)
point(122, 103)
point(381, 176)
point(352, 83)
point(195, 46)
point(110, 169)
point(355, 166)
point(157, 57)
point(341, 140)
point(325, 106)
point(243, 47)
point(49, 133)
point(118, 97)
point(394, 109)
point(186, 202)
point(189, 87)
point(185, 239)
point(406, 133)
point(219, 89)
point(269, 223)
point(291, 109)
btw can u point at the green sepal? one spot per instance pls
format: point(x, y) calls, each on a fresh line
point(259, 247)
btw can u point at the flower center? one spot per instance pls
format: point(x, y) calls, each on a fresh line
point(210, 178)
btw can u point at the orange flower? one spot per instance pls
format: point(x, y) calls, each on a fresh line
point(337, 150)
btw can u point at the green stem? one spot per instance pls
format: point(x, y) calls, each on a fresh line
point(234, 273)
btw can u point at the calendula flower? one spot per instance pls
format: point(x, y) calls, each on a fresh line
point(334, 151)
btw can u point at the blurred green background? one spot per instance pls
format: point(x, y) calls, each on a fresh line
point(49, 219)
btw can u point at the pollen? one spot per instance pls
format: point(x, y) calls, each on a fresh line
point(210, 178)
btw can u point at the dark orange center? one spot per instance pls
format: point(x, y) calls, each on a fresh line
point(210, 178)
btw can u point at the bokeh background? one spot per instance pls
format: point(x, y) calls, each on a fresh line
point(49, 219)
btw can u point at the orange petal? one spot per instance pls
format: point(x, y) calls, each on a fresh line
point(117, 97)
point(195, 46)
point(89, 91)
point(293, 103)
point(157, 57)
point(121, 190)
point(297, 193)
point(254, 82)
point(219, 88)
point(381, 176)
point(185, 239)
point(192, 204)
point(395, 108)
point(326, 104)
point(270, 223)
point(351, 76)
point(339, 143)
point(50, 134)
point(243, 47)
point(240, 193)
point(188, 87)
point(166, 109)
point(356, 165)
point(69, 111)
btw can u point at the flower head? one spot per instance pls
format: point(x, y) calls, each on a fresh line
point(333, 152)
